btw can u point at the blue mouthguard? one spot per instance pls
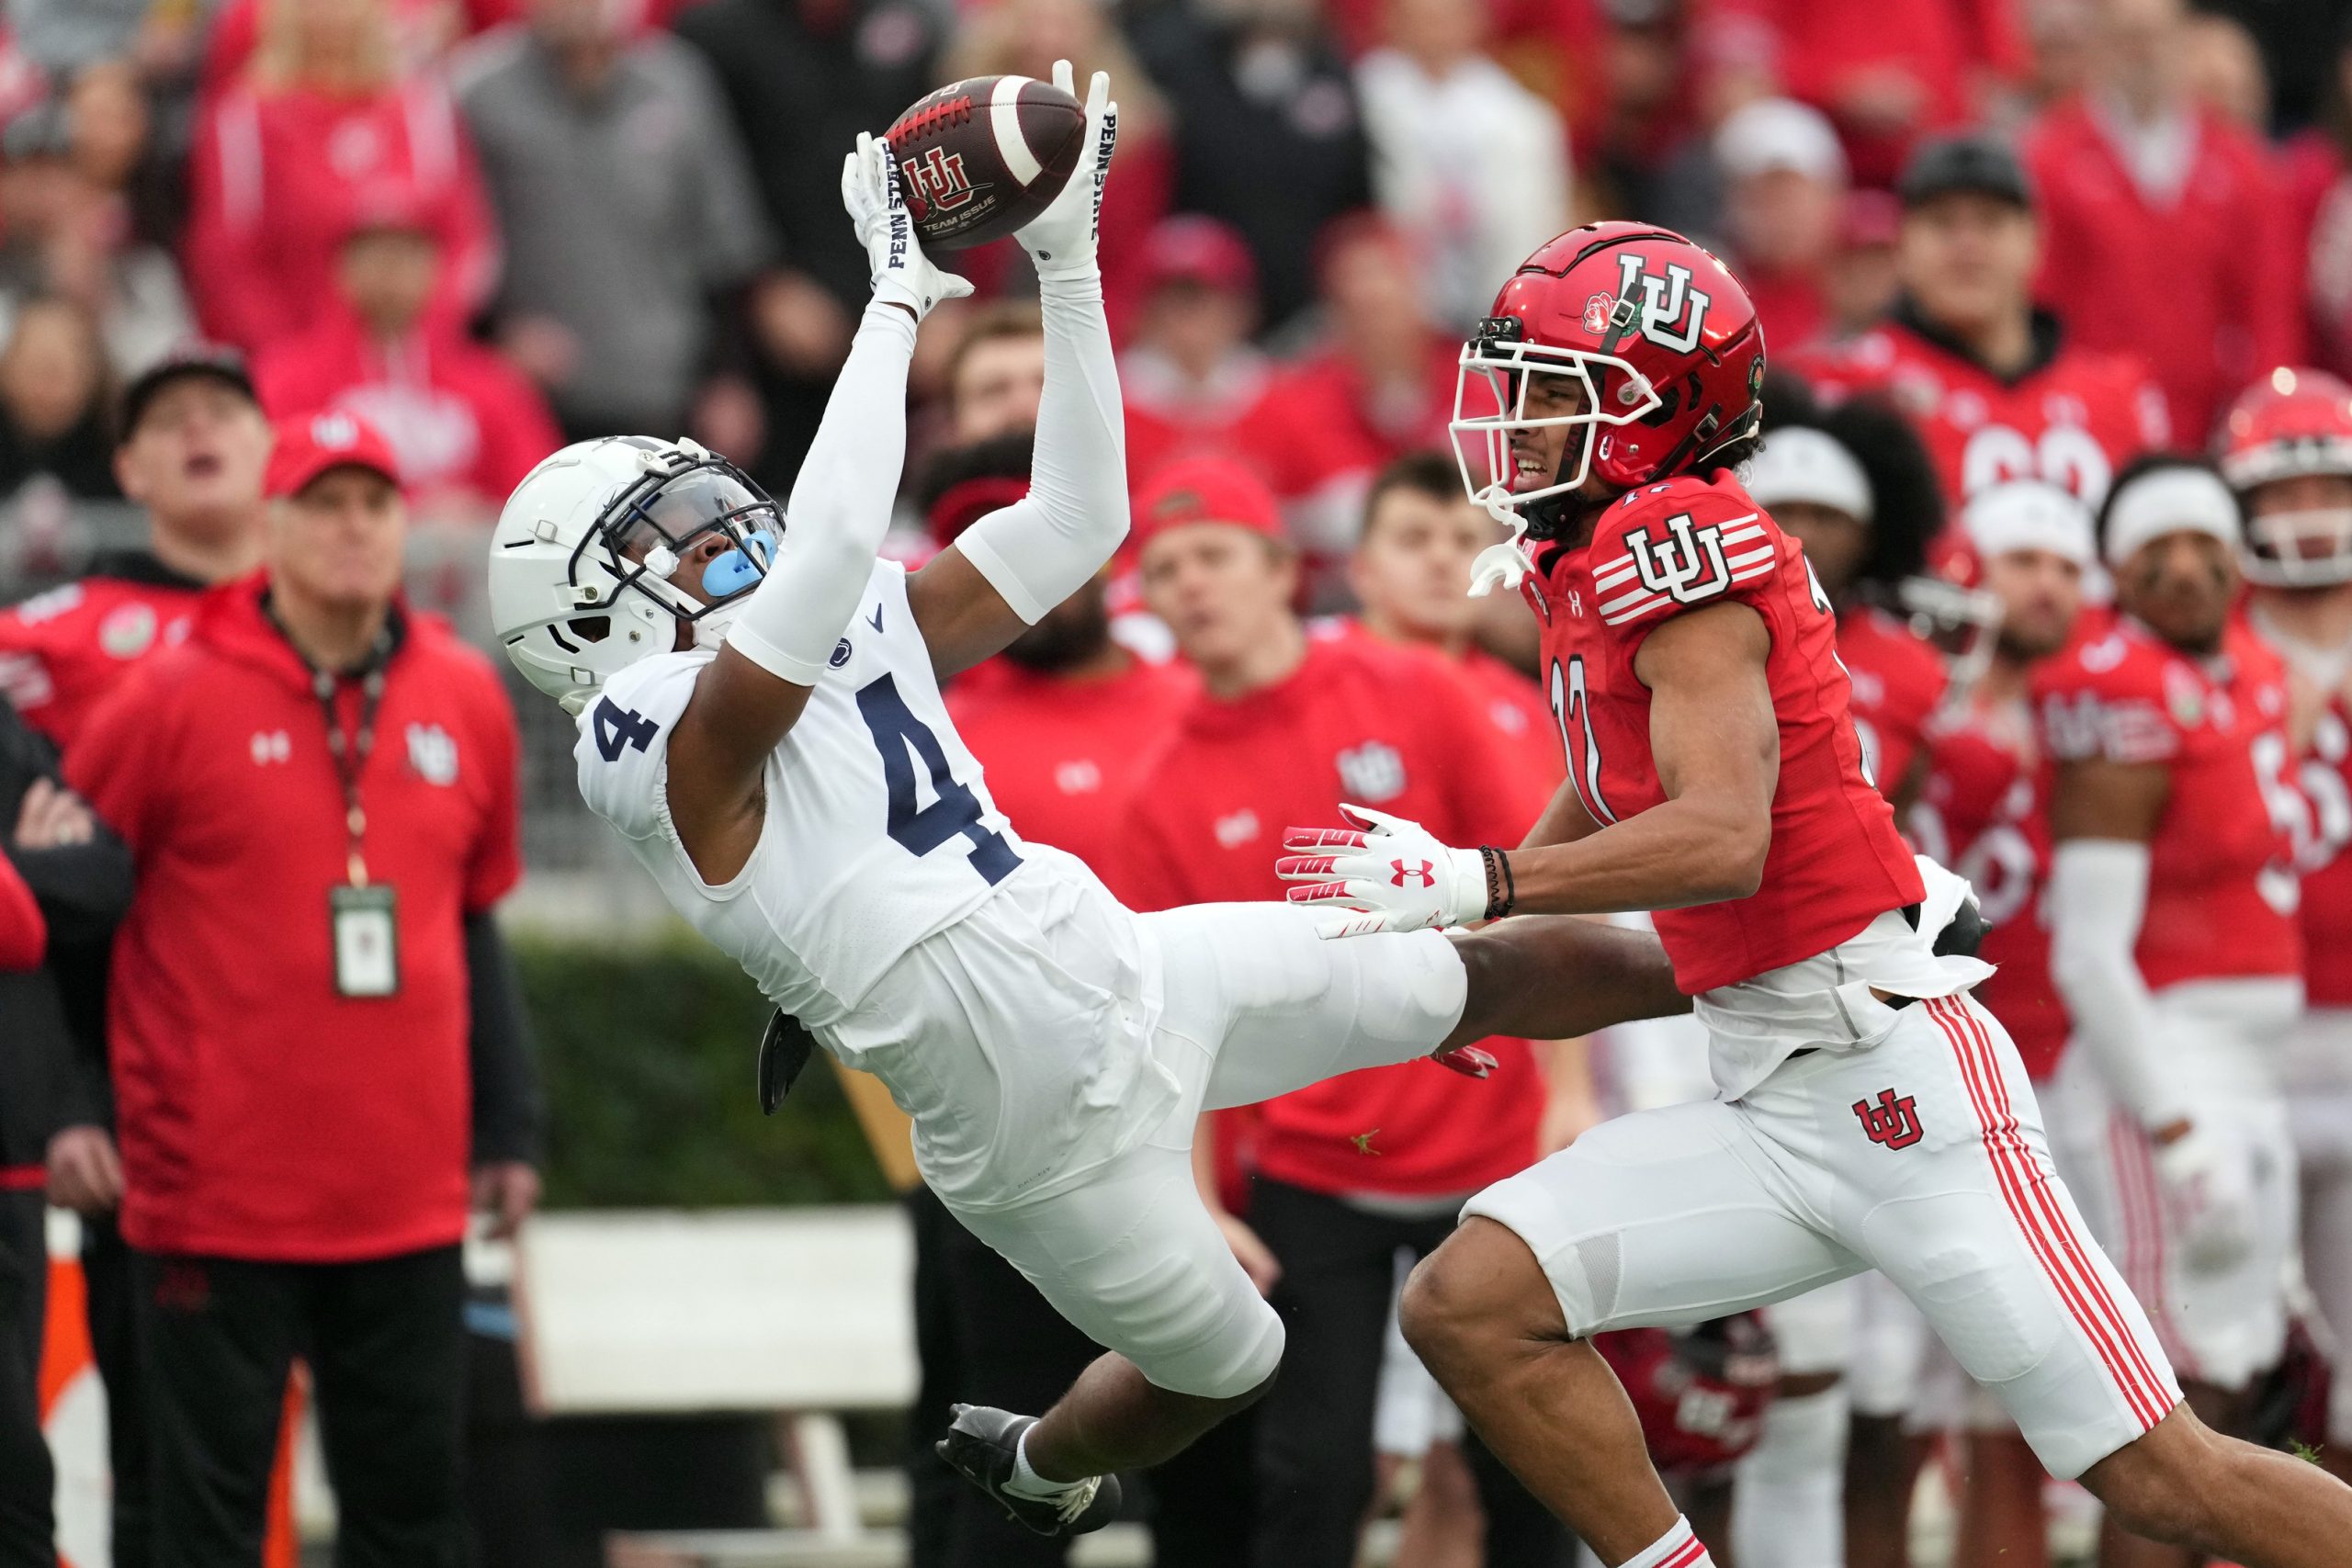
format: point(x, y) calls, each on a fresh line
point(733, 572)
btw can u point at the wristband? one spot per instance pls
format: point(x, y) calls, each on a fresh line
point(1502, 889)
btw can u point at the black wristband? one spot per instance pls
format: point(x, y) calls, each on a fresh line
point(1502, 889)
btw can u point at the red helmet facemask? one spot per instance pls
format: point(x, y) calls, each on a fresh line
point(1662, 345)
point(2290, 425)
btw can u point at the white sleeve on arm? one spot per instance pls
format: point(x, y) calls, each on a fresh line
point(839, 509)
point(1042, 548)
point(2098, 895)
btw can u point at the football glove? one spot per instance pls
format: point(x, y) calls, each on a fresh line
point(902, 275)
point(2209, 1197)
point(1061, 239)
point(1397, 875)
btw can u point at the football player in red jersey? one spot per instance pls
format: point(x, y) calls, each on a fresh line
point(1871, 1113)
point(1983, 814)
point(2286, 450)
point(2173, 939)
point(1998, 392)
point(1864, 536)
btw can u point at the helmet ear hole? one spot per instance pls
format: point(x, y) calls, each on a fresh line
point(591, 628)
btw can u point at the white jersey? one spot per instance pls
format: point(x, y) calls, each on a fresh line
point(879, 829)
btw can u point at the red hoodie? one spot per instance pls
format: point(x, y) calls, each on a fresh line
point(279, 179)
point(261, 1114)
point(458, 417)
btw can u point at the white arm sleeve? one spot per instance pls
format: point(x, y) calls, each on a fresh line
point(839, 511)
point(1042, 548)
point(2098, 895)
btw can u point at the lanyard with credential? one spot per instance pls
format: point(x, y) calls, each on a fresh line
point(364, 928)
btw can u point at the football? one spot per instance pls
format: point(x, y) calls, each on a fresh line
point(980, 157)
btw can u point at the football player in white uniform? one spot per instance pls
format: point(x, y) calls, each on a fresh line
point(760, 717)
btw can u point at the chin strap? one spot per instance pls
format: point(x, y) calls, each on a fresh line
point(1506, 564)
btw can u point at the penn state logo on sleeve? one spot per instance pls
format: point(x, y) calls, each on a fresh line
point(1679, 562)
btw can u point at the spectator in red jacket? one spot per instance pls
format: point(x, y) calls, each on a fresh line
point(2317, 174)
point(1352, 1170)
point(1381, 385)
point(318, 791)
point(1885, 71)
point(464, 423)
point(2163, 227)
point(320, 131)
point(1195, 386)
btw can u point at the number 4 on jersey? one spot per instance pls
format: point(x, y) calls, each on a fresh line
point(921, 829)
point(618, 729)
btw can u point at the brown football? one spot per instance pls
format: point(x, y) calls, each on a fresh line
point(979, 158)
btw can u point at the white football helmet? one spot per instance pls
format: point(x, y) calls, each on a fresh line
point(581, 561)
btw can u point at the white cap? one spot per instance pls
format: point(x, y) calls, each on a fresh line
point(2183, 499)
point(1799, 463)
point(1779, 133)
point(2028, 514)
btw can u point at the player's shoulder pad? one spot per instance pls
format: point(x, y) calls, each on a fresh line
point(1680, 542)
point(2121, 696)
point(625, 736)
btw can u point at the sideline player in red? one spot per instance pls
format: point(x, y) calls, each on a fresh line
point(2172, 903)
point(2286, 449)
point(1871, 1114)
point(1999, 391)
point(1864, 536)
point(1985, 814)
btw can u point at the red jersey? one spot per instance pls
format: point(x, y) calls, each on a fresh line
point(2221, 885)
point(458, 417)
point(2071, 418)
point(1063, 756)
point(1512, 706)
point(1898, 684)
point(1360, 721)
point(63, 651)
point(1983, 811)
point(2202, 286)
point(1835, 862)
point(278, 180)
point(262, 1115)
point(2326, 780)
point(1375, 423)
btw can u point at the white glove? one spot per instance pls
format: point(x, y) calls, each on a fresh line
point(902, 275)
point(1398, 873)
point(1060, 241)
point(2209, 1197)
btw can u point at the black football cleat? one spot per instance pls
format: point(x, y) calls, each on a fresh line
point(979, 1447)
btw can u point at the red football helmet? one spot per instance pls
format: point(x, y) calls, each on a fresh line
point(2292, 424)
point(1701, 1392)
point(1662, 339)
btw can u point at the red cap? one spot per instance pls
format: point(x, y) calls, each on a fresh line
point(1192, 249)
point(1204, 489)
point(316, 442)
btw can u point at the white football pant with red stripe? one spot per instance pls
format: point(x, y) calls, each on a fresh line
point(1905, 1139)
point(2226, 1040)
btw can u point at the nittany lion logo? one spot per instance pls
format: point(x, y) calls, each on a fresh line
point(1673, 313)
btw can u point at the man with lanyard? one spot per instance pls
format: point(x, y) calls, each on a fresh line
point(191, 443)
point(318, 791)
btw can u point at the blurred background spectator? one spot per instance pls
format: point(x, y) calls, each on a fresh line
point(633, 219)
point(323, 127)
point(1784, 200)
point(1468, 162)
point(464, 423)
point(1271, 138)
point(54, 396)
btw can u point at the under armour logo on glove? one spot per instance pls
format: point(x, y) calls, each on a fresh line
point(1428, 886)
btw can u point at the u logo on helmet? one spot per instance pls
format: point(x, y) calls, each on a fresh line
point(1673, 313)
